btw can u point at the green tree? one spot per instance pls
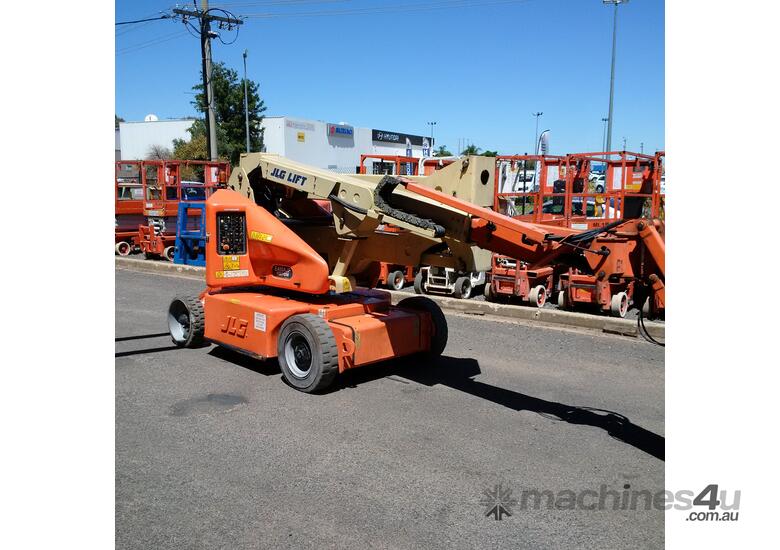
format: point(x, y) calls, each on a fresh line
point(229, 112)
point(442, 152)
point(117, 120)
point(490, 154)
point(471, 150)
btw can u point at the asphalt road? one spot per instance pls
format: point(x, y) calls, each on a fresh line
point(214, 450)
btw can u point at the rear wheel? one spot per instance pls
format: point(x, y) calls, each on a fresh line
point(490, 294)
point(538, 296)
point(168, 253)
point(396, 280)
point(186, 321)
point(563, 300)
point(123, 248)
point(440, 332)
point(619, 305)
point(307, 352)
point(462, 288)
point(419, 286)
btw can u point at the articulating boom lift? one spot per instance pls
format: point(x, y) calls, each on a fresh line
point(282, 270)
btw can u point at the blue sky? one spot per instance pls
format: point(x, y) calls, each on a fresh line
point(478, 71)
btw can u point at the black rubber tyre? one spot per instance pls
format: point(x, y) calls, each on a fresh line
point(186, 321)
point(462, 288)
point(307, 352)
point(600, 188)
point(440, 331)
point(419, 285)
point(490, 296)
point(396, 280)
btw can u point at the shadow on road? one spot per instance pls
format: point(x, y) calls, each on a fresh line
point(144, 351)
point(458, 374)
point(140, 337)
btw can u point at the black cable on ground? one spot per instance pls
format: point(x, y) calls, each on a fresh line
point(642, 329)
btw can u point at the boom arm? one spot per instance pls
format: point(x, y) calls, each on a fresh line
point(438, 227)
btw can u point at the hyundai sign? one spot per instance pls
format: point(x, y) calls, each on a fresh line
point(340, 130)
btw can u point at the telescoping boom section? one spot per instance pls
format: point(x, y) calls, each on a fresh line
point(288, 244)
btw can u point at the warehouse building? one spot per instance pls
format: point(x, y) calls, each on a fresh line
point(329, 145)
point(337, 146)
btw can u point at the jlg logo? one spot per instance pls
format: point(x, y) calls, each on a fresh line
point(234, 326)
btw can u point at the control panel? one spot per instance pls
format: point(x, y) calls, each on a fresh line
point(231, 233)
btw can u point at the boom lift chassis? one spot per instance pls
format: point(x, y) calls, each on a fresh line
point(282, 277)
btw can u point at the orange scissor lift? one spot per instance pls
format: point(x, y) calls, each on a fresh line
point(561, 197)
point(147, 195)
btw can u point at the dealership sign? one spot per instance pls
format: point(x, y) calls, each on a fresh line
point(396, 137)
point(342, 130)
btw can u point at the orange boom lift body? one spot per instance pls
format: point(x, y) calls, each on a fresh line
point(281, 277)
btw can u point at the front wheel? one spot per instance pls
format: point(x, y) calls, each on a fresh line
point(308, 355)
point(396, 280)
point(419, 285)
point(462, 288)
point(619, 305)
point(440, 331)
point(538, 296)
point(186, 321)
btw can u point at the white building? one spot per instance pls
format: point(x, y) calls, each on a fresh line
point(336, 146)
point(135, 138)
point(325, 145)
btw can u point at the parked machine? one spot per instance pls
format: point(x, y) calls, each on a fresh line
point(449, 281)
point(147, 194)
point(567, 196)
point(283, 283)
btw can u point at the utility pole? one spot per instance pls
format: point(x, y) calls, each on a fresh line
point(205, 18)
point(624, 143)
point(612, 72)
point(246, 104)
point(432, 124)
point(604, 135)
point(642, 147)
point(536, 131)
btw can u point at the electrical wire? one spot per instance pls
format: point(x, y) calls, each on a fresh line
point(163, 16)
point(148, 43)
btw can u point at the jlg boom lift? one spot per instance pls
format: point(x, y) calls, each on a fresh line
point(282, 277)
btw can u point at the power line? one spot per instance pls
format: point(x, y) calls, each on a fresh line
point(163, 16)
point(151, 42)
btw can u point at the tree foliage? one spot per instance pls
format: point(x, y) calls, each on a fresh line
point(158, 152)
point(117, 120)
point(229, 113)
point(442, 152)
point(471, 150)
point(490, 154)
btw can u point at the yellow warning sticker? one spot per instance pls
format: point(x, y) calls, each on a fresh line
point(230, 263)
point(258, 236)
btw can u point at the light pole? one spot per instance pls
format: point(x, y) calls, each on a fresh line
point(642, 147)
point(624, 143)
point(536, 131)
point(432, 124)
point(604, 135)
point(616, 3)
point(246, 104)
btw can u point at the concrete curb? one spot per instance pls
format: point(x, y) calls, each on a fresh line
point(612, 325)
